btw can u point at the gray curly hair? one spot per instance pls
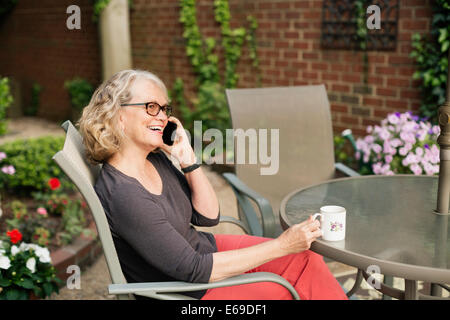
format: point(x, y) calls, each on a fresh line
point(102, 136)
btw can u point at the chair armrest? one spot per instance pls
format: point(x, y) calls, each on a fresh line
point(228, 219)
point(346, 170)
point(162, 290)
point(265, 208)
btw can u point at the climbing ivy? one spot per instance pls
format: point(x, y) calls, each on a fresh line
point(431, 55)
point(100, 5)
point(210, 103)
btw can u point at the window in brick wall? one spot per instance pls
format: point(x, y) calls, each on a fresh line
point(339, 25)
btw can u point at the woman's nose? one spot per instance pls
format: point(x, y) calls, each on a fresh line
point(161, 115)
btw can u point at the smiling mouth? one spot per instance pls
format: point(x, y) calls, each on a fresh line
point(156, 129)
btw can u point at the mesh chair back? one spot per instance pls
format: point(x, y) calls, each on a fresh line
point(73, 162)
point(306, 153)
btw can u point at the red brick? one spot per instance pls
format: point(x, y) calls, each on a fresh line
point(353, 78)
point(386, 92)
point(330, 76)
point(339, 108)
point(397, 104)
point(372, 101)
point(310, 55)
point(385, 70)
point(399, 60)
point(340, 88)
point(309, 75)
point(319, 66)
point(349, 120)
point(291, 35)
point(396, 82)
point(290, 54)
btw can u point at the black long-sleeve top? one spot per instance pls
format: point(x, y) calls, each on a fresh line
point(153, 235)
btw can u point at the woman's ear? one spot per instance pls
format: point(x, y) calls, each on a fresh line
point(121, 120)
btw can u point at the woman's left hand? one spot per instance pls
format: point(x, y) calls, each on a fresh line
point(181, 149)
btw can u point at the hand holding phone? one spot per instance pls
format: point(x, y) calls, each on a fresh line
point(177, 143)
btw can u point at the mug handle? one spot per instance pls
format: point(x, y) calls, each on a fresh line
point(316, 215)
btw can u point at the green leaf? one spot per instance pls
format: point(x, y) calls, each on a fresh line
point(12, 294)
point(27, 284)
point(48, 288)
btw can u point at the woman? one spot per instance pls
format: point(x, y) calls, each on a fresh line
point(150, 205)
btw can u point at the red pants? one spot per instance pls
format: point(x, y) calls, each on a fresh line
point(306, 271)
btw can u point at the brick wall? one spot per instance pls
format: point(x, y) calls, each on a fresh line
point(289, 50)
point(37, 47)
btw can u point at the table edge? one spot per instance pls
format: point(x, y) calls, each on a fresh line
point(360, 261)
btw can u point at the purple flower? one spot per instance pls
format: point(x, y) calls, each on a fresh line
point(427, 146)
point(397, 114)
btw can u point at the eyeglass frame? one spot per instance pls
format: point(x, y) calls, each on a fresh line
point(166, 109)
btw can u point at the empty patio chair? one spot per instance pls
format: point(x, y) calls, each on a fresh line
point(301, 116)
point(73, 162)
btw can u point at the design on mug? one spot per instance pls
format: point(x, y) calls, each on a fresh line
point(336, 226)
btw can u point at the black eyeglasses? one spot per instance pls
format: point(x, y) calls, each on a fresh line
point(152, 108)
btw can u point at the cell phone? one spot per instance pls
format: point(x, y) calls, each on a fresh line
point(167, 133)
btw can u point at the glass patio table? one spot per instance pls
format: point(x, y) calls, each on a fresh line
point(391, 227)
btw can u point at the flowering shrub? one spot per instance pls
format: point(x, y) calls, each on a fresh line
point(30, 225)
point(55, 200)
point(25, 269)
point(402, 144)
point(7, 169)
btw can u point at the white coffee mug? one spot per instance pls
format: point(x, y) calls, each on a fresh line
point(332, 222)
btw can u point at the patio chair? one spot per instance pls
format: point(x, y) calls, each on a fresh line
point(72, 161)
point(306, 150)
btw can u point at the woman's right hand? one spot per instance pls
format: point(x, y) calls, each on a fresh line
point(300, 236)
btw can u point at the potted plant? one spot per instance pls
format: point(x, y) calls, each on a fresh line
point(26, 270)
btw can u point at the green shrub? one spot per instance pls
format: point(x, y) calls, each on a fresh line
point(32, 109)
point(80, 91)
point(5, 101)
point(32, 160)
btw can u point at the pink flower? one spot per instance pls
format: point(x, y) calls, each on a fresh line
point(396, 142)
point(42, 211)
point(419, 151)
point(388, 158)
point(436, 130)
point(416, 169)
point(392, 118)
point(429, 169)
point(369, 139)
point(403, 151)
point(376, 148)
point(8, 170)
point(376, 168)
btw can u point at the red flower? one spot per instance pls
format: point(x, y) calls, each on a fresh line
point(54, 183)
point(14, 235)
